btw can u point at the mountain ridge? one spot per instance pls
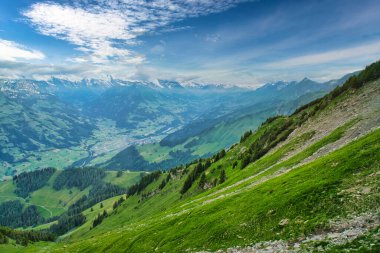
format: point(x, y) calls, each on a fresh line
point(159, 83)
point(302, 182)
point(187, 140)
point(129, 114)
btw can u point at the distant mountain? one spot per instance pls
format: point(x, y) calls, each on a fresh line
point(222, 126)
point(33, 121)
point(63, 123)
point(295, 89)
point(170, 84)
point(303, 182)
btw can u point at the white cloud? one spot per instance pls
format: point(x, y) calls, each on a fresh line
point(104, 30)
point(73, 71)
point(213, 38)
point(370, 52)
point(12, 51)
point(92, 32)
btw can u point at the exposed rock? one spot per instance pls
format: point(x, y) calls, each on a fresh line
point(283, 222)
point(366, 190)
point(341, 232)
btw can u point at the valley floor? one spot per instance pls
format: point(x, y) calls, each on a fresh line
point(317, 188)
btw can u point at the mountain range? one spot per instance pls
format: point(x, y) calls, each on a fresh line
point(307, 181)
point(133, 125)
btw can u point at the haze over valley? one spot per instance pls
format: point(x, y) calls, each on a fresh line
point(68, 124)
point(237, 126)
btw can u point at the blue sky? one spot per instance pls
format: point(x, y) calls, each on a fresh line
point(215, 41)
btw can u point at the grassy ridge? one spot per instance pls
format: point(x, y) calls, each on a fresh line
point(293, 185)
point(204, 138)
point(51, 202)
point(253, 202)
point(307, 194)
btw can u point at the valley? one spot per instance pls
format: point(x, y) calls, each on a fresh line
point(52, 203)
point(106, 121)
point(302, 182)
point(196, 126)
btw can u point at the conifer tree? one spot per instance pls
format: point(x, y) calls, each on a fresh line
point(202, 181)
point(222, 177)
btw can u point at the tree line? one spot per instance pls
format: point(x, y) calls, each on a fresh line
point(73, 217)
point(24, 237)
point(99, 218)
point(196, 172)
point(28, 182)
point(143, 183)
point(78, 177)
point(13, 214)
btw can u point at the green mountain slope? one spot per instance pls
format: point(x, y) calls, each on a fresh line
point(209, 134)
point(60, 123)
point(36, 124)
point(52, 201)
point(205, 137)
point(285, 207)
point(304, 182)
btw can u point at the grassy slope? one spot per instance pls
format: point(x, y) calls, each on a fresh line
point(56, 118)
point(308, 193)
point(249, 206)
point(51, 202)
point(221, 135)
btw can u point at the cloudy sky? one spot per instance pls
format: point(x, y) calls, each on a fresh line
point(237, 42)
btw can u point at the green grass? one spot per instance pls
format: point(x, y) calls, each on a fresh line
point(367, 243)
point(208, 142)
point(156, 153)
point(105, 142)
point(51, 203)
point(7, 189)
point(90, 216)
point(32, 248)
point(226, 134)
point(127, 179)
point(307, 193)
point(248, 207)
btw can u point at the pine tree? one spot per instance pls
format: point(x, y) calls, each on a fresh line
point(245, 161)
point(202, 181)
point(119, 173)
point(186, 186)
point(222, 177)
point(3, 239)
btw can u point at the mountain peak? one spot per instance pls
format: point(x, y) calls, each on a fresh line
point(169, 84)
point(306, 79)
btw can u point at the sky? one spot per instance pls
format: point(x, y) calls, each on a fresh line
point(239, 42)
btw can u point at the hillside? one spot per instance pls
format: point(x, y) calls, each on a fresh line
point(214, 131)
point(40, 198)
point(304, 182)
point(60, 123)
point(36, 124)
